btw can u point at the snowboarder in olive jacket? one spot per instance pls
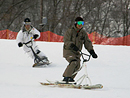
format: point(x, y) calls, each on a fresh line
point(74, 39)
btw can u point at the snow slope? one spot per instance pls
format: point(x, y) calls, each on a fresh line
point(19, 80)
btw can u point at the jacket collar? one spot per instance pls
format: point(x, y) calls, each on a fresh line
point(76, 29)
point(24, 29)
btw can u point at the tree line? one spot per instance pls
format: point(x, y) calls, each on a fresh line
point(107, 17)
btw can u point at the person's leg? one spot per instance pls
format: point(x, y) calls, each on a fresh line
point(74, 64)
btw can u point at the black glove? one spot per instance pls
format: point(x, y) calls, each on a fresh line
point(74, 47)
point(20, 44)
point(35, 36)
point(94, 55)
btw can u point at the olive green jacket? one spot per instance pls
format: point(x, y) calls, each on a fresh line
point(77, 37)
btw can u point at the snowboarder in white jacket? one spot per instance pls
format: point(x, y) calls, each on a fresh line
point(26, 33)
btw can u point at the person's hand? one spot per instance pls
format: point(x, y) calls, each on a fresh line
point(35, 36)
point(94, 55)
point(20, 44)
point(74, 47)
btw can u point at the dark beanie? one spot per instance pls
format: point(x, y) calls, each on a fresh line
point(27, 20)
point(79, 19)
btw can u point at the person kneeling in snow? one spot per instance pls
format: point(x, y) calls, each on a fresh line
point(26, 33)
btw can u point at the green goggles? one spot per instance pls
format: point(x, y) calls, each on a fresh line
point(80, 22)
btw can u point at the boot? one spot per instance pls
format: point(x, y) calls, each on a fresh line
point(45, 59)
point(68, 79)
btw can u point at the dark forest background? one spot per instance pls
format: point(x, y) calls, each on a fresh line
point(107, 17)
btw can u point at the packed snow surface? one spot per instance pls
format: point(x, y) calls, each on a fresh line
point(19, 80)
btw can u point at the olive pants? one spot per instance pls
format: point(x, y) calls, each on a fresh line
point(74, 65)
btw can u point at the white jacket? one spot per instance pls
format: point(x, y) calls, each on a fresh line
point(24, 36)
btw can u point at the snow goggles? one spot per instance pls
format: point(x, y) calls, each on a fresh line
point(27, 23)
point(80, 22)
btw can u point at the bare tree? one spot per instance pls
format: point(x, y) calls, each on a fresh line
point(107, 17)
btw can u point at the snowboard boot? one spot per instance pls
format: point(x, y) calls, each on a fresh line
point(71, 80)
point(45, 59)
point(68, 80)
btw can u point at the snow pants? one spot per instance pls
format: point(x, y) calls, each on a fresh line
point(36, 50)
point(74, 65)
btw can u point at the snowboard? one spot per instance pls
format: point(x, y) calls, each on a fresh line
point(43, 64)
point(71, 85)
